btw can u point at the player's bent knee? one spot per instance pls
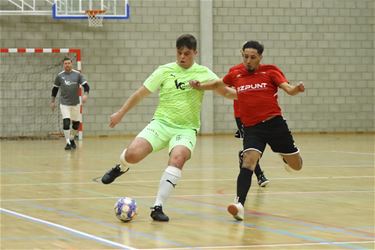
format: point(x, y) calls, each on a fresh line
point(252, 168)
point(66, 124)
point(178, 162)
point(75, 125)
point(129, 157)
point(250, 159)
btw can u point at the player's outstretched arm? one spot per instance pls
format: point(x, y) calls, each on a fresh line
point(227, 92)
point(52, 104)
point(292, 90)
point(211, 85)
point(133, 100)
point(86, 91)
point(217, 85)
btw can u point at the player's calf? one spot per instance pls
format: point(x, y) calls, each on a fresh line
point(292, 162)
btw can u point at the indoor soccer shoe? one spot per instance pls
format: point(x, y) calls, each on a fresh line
point(112, 174)
point(68, 147)
point(262, 180)
point(73, 144)
point(157, 214)
point(236, 210)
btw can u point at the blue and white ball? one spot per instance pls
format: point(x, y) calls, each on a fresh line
point(125, 209)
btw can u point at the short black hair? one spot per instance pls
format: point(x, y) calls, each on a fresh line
point(67, 59)
point(253, 45)
point(186, 40)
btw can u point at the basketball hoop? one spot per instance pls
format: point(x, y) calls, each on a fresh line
point(95, 17)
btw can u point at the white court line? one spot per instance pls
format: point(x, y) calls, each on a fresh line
point(70, 230)
point(353, 153)
point(143, 170)
point(268, 245)
point(345, 192)
point(185, 180)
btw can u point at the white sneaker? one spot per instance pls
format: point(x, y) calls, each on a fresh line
point(236, 210)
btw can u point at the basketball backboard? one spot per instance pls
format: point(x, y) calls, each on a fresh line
point(25, 7)
point(76, 9)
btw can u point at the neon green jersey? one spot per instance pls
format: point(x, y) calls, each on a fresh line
point(179, 104)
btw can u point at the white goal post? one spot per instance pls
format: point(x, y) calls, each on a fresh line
point(22, 51)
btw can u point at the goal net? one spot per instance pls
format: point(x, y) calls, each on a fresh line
point(26, 83)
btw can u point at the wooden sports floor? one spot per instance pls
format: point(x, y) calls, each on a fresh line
point(51, 199)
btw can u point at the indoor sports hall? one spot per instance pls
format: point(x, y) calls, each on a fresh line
point(52, 198)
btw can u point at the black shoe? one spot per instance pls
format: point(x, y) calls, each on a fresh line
point(240, 158)
point(73, 144)
point(112, 174)
point(158, 215)
point(68, 147)
point(262, 180)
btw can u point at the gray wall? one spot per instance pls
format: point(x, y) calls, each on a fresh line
point(328, 44)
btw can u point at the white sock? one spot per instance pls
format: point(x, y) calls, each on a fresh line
point(73, 134)
point(123, 163)
point(167, 182)
point(67, 135)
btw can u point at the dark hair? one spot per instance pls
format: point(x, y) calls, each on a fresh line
point(253, 45)
point(186, 40)
point(67, 59)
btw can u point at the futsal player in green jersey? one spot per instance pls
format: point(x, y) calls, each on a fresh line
point(175, 123)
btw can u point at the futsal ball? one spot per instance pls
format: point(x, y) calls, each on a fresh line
point(125, 209)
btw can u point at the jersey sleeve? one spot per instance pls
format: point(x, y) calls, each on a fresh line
point(82, 79)
point(278, 77)
point(228, 79)
point(153, 82)
point(57, 82)
point(210, 75)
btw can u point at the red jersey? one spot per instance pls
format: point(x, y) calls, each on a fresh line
point(236, 109)
point(256, 91)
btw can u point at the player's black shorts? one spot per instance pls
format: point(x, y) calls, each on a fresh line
point(274, 132)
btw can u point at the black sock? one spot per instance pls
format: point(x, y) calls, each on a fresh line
point(243, 184)
point(258, 171)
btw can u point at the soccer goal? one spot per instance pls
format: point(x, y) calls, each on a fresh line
point(27, 76)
